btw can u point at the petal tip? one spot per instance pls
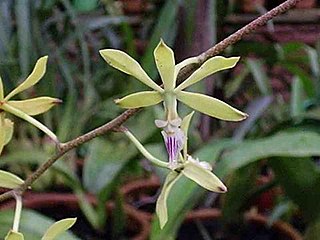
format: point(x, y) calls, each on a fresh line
point(245, 116)
point(223, 189)
point(57, 101)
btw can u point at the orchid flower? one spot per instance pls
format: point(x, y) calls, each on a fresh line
point(25, 108)
point(165, 61)
point(170, 93)
point(199, 172)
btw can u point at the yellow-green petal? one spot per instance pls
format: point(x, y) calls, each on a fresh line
point(140, 99)
point(9, 180)
point(37, 73)
point(203, 177)
point(1, 89)
point(165, 62)
point(123, 62)
point(211, 66)
point(58, 228)
point(12, 235)
point(185, 127)
point(2, 132)
point(161, 206)
point(211, 106)
point(35, 106)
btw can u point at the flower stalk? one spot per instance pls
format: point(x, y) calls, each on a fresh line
point(17, 214)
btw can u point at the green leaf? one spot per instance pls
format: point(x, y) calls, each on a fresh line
point(1, 89)
point(211, 66)
point(239, 192)
point(211, 106)
point(85, 5)
point(203, 177)
point(140, 99)
point(104, 161)
point(286, 144)
point(14, 236)
point(161, 206)
point(259, 75)
point(165, 62)
point(37, 73)
point(35, 106)
point(58, 228)
point(123, 62)
point(9, 180)
point(296, 103)
point(300, 179)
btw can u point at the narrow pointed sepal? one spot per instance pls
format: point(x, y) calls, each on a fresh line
point(161, 206)
point(35, 106)
point(211, 66)
point(201, 174)
point(123, 62)
point(165, 62)
point(140, 99)
point(211, 106)
point(36, 75)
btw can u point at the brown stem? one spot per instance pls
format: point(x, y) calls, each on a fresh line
point(115, 123)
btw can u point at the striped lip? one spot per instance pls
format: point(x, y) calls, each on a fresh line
point(174, 143)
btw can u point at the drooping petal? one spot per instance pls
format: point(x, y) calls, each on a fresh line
point(211, 106)
point(203, 177)
point(9, 180)
point(37, 73)
point(140, 99)
point(1, 89)
point(184, 63)
point(8, 108)
point(165, 62)
point(161, 206)
point(174, 142)
point(211, 66)
point(123, 62)
point(185, 127)
point(58, 228)
point(35, 106)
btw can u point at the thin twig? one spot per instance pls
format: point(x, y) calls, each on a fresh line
point(118, 121)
